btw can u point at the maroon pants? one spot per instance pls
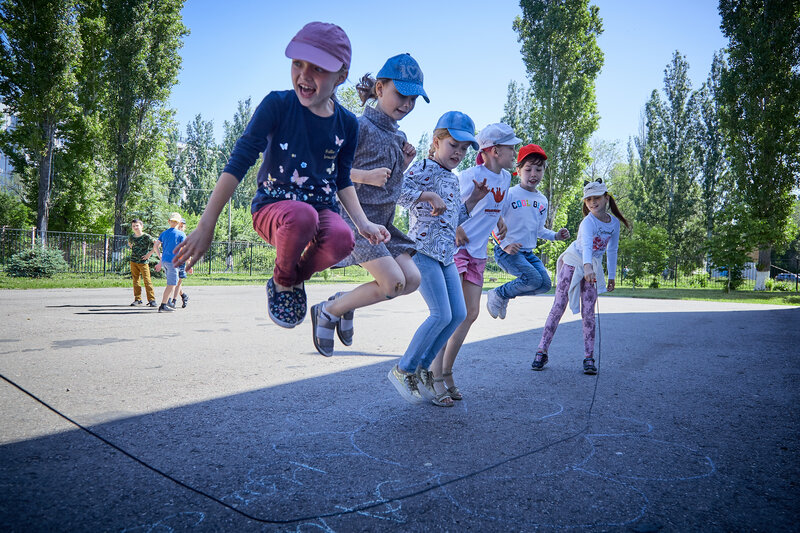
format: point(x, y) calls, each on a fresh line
point(306, 240)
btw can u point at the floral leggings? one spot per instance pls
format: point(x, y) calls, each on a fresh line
point(588, 299)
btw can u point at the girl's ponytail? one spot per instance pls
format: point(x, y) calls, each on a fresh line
point(617, 213)
point(366, 88)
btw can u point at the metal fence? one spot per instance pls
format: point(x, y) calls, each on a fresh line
point(88, 253)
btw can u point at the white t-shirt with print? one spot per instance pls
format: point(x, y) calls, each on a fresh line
point(484, 215)
point(525, 213)
point(595, 238)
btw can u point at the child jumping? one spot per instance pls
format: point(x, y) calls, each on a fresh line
point(496, 143)
point(382, 155)
point(524, 212)
point(579, 275)
point(308, 140)
point(432, 195)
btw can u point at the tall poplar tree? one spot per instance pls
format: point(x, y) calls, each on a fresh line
point(709, 147)
point(141, 67)
point(39, 50)
point(562, 59)
point(760, 90)
point(666, 154)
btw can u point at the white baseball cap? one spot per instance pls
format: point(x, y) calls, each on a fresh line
point(497, 134)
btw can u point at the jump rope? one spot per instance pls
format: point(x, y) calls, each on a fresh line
point(357, 509)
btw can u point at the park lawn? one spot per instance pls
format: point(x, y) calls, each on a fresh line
point(357, 275)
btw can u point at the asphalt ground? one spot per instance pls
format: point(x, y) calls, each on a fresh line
point(691, 423)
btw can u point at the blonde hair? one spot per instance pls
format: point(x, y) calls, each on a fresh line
point(366, 87)
point(614, 209)
point(440, 134)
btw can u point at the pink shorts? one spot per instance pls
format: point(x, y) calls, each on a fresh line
point(470, 267)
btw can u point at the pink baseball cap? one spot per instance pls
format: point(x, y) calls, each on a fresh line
point(325, 45)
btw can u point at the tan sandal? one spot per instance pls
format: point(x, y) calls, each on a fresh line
point(441, 399)
point(453, 391)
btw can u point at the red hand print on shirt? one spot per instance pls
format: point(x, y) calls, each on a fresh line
point(498, 194)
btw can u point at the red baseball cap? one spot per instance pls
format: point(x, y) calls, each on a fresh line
point(528, 150)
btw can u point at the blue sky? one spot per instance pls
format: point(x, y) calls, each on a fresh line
point(468, 52)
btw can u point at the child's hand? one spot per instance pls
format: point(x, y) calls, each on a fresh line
point(437, 204)
point(374, 233)
point(409, 153)
point(461, 236)
point(501, 229)
point(191, 249)
point(479, 191)
point(588, 274)
point(512, 248)
point(610, 285)
point(157, 268)
point(562, 235)
point(377, 176)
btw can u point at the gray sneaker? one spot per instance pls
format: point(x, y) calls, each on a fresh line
point(424, 380)
point(322, 327)
point(496, 304)
point(136, 303)
point(164, 308)
point(344, 327)
point(406, 385)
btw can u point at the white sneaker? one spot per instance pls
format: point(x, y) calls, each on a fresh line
point(495, 304)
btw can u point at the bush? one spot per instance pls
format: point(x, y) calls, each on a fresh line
point(654, 284)
point(699, 280)
point(37, 262)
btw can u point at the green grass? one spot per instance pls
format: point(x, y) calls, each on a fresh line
point(358, 275)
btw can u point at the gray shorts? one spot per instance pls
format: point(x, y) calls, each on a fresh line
point(364, 251)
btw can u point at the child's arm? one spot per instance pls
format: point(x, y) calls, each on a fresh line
point(376, 177)
point(196, 244)
point(374, 233)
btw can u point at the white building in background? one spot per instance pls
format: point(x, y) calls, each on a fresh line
point(7, 122)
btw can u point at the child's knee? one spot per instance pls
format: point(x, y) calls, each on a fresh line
point(412, 282)
point(546, 286)
point(393, 287)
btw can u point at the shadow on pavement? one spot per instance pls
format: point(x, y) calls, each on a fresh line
point(686, 403)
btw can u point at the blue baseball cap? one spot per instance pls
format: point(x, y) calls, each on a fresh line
point(460, 127)
point(404, 71)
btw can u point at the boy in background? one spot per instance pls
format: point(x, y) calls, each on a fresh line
point(168, 240)
point(140, 244)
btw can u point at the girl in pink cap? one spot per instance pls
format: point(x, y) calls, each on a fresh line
point(308, 141)
point(579, 276)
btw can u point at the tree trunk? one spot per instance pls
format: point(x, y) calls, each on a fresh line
point(45, 182)
point(763, 268)
point(123, 188)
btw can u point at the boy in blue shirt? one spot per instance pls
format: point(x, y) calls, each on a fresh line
point(168, 240)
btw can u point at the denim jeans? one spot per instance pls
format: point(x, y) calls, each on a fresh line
point(532, 276)
point(441, 289)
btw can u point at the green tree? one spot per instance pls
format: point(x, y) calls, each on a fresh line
point(517, 112)
point(39, 52)
point(709, 142)
point(562, 59)
point(175, 159)
point(141, 66)
point(760, 92)
point(13, 212)
point(644, 252)
point(202, 161)
point(233, 130)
